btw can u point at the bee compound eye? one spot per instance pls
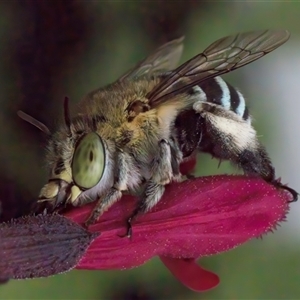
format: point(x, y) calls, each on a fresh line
point(88, 161)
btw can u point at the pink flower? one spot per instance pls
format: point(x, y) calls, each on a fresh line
point(195, 218)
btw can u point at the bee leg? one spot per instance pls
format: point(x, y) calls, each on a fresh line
point(112, 196)
point(165, 168)
point(152, 194)
point(166, 164)
point(114, 193)
point(176, 158)
point(162, 166)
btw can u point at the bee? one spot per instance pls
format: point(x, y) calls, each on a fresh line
point(132, 135)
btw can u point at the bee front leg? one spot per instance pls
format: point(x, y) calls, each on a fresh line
point(112, 196)
point(114, 193)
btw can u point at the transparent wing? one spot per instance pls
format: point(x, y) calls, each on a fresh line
point(165, 58)
point(224, 55)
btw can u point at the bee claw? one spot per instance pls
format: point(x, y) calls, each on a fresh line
point(292, 192)
point(129, 229)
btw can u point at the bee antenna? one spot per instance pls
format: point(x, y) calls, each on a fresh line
point(34, 122)
point(67, 113)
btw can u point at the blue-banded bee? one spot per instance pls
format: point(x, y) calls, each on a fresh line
point(132, 135)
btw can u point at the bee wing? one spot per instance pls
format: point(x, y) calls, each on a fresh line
point(165, 58)
point(224, 55)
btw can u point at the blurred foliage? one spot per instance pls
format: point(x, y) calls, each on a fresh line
point(50, 49)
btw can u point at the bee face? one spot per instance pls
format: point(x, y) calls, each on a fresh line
point(136, 132)
point(78, 160)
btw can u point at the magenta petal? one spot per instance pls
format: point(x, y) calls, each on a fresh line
point(195, 218)
point(190, 274)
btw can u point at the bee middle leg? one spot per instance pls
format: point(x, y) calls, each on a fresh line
point(151, 196)
point(165, 169)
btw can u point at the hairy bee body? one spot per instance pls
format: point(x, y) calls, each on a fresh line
point(129, 128)
point(132, 135)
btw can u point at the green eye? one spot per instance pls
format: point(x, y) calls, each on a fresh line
point(88, 161)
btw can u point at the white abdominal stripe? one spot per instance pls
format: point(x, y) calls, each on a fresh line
point(225, 99)
point(240, 133)
point(231, 130)
point(242, 105)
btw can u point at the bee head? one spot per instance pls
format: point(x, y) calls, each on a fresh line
point(78, 159)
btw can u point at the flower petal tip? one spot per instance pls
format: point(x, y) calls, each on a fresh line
point(189, 273)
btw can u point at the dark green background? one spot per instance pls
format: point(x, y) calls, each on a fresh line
point(50, 49)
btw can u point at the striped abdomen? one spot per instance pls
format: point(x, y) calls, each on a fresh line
point(189, 124)
point(222, 93)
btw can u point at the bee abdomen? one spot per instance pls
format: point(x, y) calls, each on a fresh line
point(189, 125)
point(220, 92)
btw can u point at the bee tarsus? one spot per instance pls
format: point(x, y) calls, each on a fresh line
point(128, 229)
